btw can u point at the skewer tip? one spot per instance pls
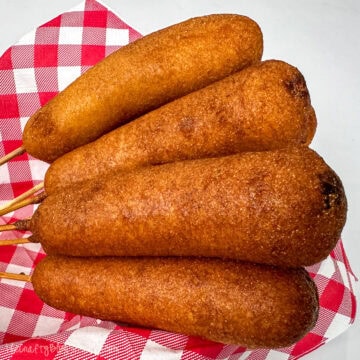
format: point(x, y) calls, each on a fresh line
point(18, 277)
point(20, 150)
point(15, 241)
point(22, 199)
point(36, 199)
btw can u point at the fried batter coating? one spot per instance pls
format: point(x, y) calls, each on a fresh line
point(265, 106)
point(225, 301)
point(141, 76)
point(282, 207)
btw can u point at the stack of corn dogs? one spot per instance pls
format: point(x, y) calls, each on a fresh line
point(182, 193)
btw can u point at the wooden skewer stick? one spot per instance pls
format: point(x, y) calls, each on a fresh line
point(15, 241)
point(19, 277)
point(20, 150)
point(23, 196)
point(32, 200)
point(21, 225)
point(8, 227)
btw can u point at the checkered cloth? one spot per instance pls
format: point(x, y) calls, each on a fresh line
point(41, 64)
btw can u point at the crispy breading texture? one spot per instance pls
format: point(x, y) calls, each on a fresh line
point(225, 301)
point(141, 76)
point(281, 207)
point(265, 106)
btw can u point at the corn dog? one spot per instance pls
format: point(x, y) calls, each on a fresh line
point(141, 76)
point(225, 301)
point(265, 106)
point(281, 207)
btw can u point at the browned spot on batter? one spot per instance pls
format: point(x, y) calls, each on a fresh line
point(297, 86)
point(187, 126)
point(331, 188)
point(43, 123)
point(96, 186)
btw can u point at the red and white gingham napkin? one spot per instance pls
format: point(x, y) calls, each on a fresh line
point(41, 64)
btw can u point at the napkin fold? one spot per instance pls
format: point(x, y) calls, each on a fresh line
point(32, 71)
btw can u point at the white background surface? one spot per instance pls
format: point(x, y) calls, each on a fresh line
point(320, 37)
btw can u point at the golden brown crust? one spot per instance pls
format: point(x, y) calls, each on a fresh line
point(225, 301)
point(282, 207)
point(265, 106)
point(141, 76)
